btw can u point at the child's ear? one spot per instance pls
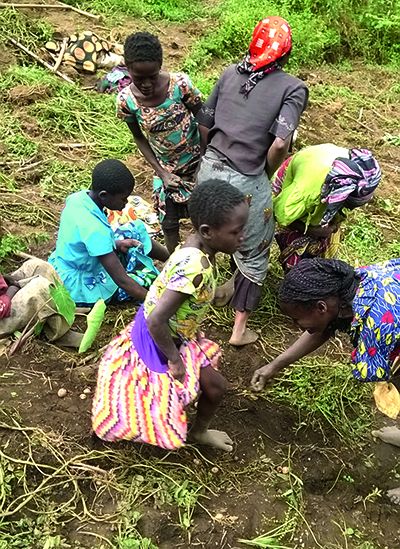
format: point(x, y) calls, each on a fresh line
point(103, 195)
point(204, 231)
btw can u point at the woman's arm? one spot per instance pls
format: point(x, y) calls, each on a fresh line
point(276, 154)
point(144, 147)
point(158, 325)
point(114, 267)
point(305, 344)
point(203, 138)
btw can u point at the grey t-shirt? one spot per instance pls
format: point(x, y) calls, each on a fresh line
point(242, 130)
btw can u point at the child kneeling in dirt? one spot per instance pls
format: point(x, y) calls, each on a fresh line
point(156, 367)
point(88, 253)
point(26, 300)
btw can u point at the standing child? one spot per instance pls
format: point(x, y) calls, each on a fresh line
point(88, 253)
point(158, 364)
point(159, 108)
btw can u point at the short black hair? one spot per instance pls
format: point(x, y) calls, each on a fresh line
point(212, 202)
point(113, 177)
point(142, 46)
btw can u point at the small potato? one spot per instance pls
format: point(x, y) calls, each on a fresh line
point(61, 393)
point(82, 396)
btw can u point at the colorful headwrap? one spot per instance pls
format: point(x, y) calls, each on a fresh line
point(350, 182)
point(272, 39)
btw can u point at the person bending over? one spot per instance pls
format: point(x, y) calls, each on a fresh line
point(325, 295)
point(161, 362)
point(310, 189)
point(159, 108)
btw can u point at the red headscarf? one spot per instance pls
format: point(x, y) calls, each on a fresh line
point(272, 39)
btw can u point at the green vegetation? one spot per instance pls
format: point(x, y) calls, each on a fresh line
point(322, 31)
point(170, 10)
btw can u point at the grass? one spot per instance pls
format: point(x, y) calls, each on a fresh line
point(169, 10)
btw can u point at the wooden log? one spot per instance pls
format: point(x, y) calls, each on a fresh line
point(59, 6)
point(60, 55)
point(41, 61)
point(78, 10)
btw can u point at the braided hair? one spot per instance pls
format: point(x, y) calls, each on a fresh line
point(141, 47)
point(211, 203)
point(314, 279)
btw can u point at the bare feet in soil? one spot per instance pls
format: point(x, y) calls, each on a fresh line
point(247, 337)
point(224, 293)
point(390, 435)
point(214, 438)
point(394, 495)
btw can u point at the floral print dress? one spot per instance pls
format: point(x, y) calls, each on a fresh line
point(185, 267)
point(172, 132)
point(375, 330)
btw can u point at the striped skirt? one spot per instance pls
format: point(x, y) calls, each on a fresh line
point(134, 402)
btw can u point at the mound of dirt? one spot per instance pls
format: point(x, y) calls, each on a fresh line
point(25, 95)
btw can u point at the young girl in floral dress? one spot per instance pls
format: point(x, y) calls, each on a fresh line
point(160, 108)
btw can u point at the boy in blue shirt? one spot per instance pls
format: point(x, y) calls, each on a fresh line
point(86, 255)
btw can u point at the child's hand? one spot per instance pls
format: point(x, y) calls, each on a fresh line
point(127, 243)
point(177, 369)
point(171, 181)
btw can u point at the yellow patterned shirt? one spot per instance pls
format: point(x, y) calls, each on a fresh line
point(179, 273)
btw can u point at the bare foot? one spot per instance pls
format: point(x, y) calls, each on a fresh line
point(211, 437)
point(247, 337)
point(394, 495)
point(224, 293)
point(390, 435)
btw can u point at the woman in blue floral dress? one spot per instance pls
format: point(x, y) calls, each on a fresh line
point(325, 295)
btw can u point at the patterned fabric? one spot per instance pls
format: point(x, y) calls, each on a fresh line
point(375, 330)
point(5, 300)
point(350, 182)
point(84, 51)
point(136, 261)
point(115, 80)
point(179, 273)
point(295, 246)
point(272, 39)
point(172, 132)
point(132, 402)
point(252, 257)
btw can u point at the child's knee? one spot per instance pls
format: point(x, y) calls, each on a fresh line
point(215, 388)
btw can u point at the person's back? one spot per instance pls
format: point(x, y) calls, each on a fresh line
point(83, 236)
point(245, 127)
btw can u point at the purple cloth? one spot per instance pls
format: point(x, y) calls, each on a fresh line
point(145, 346)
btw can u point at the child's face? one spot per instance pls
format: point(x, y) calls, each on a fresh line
point(229, 237)
point(316, 318)
point(114, 201)
point(144, 75)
